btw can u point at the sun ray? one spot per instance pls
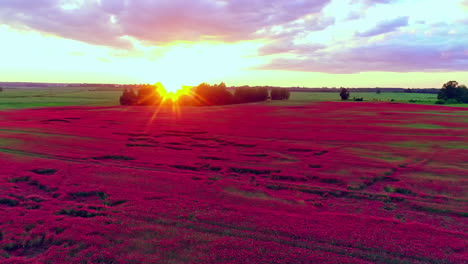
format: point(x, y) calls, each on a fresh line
point(171, 96)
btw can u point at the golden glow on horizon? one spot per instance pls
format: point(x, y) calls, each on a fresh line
point(173, 91)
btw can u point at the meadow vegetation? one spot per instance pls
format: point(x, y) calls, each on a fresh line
point(324, 182)
point(102, 96)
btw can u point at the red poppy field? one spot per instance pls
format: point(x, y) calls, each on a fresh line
point(327, 182)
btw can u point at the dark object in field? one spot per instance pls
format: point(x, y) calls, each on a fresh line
point(8, 202)
point(344, 94)
point(77, 213)
point(358, 99)
point(44, 171)
point(113, 157)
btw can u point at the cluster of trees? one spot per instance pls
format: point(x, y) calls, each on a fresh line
point(452, 93)
point(216, 94)
point(204, 95)
point(146, 95)
point(280, 94)
point(250, 94)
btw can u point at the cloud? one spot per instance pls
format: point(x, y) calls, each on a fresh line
point(88, 23)
point(373, 2)
point(111, 22)
point(385, 27)
point(287, 46)
point(396, 55)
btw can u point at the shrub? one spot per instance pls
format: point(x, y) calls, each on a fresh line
point(358, 99)
point(344, 94)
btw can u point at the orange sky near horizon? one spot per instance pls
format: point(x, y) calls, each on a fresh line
point(324, 43)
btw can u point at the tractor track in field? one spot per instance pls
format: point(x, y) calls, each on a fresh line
point(89, 162)
point(360, 252)
point(269, 184)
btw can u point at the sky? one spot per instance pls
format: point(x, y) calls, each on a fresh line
point(305, 43)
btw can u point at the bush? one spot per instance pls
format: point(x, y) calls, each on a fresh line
point(344, 94)
point(358, 99)
point(280, 94)
point(452, 93)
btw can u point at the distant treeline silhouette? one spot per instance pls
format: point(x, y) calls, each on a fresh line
point(203, 95)
point(365, 90)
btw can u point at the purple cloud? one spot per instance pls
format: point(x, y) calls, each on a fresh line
point(105, 22)
point(385, 27)
point(382, 57)
point(286, 46)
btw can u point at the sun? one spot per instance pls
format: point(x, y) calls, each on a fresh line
point(172, 91)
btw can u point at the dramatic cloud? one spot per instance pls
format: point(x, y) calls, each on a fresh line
point(111, 22)
point(330, 36)
point(385, 27)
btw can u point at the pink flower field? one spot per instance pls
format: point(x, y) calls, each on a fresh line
point(328, 182)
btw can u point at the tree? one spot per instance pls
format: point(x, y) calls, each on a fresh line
point(344, 94)
point(216, 94)
point(128, 97)
point(453, 93)
point(247, 94)
point(378, 91)
point(279, 94)
point(148, 95)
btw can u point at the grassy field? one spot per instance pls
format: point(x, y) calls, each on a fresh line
point(398, 97)
point(46, 97)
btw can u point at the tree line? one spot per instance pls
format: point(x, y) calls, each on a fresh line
point(203, 95)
